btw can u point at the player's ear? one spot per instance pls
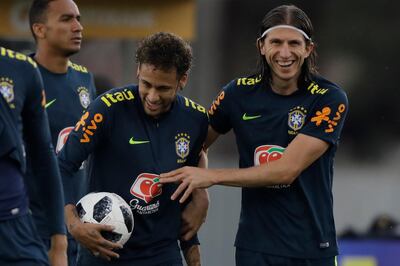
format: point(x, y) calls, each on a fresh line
point(260, 45)
point(309, 48)
point(137, 71)
point(39, 30)
point(183, 80)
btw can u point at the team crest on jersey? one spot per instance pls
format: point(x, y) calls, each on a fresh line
point(296, 118)
point(7, 90)
point(182, 142)
point(84, 97)
point(146, 187)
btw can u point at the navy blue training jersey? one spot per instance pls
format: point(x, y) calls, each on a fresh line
point(286, 220)
point(67, 97)
point(128, 150)
point(22, 88)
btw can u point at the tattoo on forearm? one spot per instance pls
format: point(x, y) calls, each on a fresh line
point(72, 225)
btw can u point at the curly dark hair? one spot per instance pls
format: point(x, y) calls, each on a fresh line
point(165, 51)
point(294, 16)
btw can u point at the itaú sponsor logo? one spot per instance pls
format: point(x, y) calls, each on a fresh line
point(120, 96)
point(62, 138)
point(267, 153)
point(146, 187)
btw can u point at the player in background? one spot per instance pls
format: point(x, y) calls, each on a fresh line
point(23, 120)
point(133, 134)
point(56, 28)
point(287, 120)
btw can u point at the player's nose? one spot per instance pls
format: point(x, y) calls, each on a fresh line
point(77, 26)
point(284, 50)
point(153, 96)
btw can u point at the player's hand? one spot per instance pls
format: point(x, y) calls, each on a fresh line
point(58, 250)
point(190, 178)
point(89, 235)
point(194, 214)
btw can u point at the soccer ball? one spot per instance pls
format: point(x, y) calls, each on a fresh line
point(110, 209)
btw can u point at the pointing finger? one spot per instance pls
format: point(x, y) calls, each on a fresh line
point(186, 194)
point(179, 190)
point(170, 174)
point(173, 179)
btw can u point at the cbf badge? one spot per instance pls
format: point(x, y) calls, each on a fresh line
point(296, 119)
point(7, 90)
point(84, 97)
point(182, 141)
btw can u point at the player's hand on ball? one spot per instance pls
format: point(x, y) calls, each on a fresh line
point(102, 222)
point(89, 235)
point(190, 178)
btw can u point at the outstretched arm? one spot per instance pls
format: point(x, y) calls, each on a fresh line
point(300, 153)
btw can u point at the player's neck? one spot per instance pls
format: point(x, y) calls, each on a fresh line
point(53, 62)
point(284, 87)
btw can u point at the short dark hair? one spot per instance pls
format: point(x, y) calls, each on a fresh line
point(165, 51)
point(293, 16)
point(37, 13)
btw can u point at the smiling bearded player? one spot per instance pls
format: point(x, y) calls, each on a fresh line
point(133, 134)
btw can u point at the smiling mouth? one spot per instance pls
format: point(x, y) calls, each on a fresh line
point(288, 63)
point(152, 106)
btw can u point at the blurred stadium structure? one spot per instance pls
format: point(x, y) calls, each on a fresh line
point(358, 44)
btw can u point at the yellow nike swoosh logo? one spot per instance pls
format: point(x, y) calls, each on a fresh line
point(134, 142)
point(246, 117)
point(47, 105)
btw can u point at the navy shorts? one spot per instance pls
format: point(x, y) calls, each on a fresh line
point(246, 257)
point(85, 258)
point(20, 244)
